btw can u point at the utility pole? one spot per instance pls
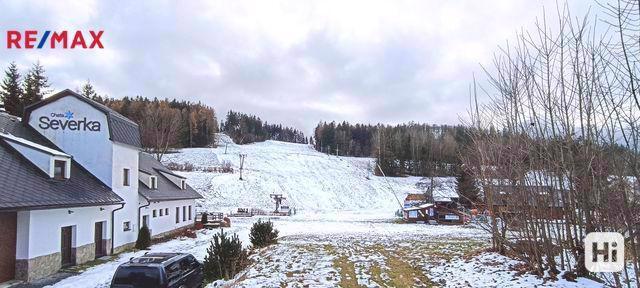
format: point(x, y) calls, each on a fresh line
point(225, 147)
point(242, 156)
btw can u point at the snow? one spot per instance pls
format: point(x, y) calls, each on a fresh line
point(312, 181)
point(344, 234)
point(493, 270)
point(444, 188)
point(314, 250)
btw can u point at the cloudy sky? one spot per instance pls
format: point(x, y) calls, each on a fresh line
point(296, 62)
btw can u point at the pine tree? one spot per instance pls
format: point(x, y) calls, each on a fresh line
point(11, 92)
point(263, 234)
point(88, 91)
point(144, 238)
point(35, 85)
point(225, 257)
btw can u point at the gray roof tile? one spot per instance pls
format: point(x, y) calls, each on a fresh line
point(167, 190)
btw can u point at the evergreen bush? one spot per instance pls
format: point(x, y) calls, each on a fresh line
point(262, 234)
point(144, 238)
point(225, 257)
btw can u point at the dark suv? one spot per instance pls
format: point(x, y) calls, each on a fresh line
point(166, 270)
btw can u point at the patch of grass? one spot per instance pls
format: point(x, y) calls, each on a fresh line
point(376, 274)
point(400, 272)
point(347, 272)
point(403, 274)
point(345, 267)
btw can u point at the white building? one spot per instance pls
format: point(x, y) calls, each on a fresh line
point(68, 190)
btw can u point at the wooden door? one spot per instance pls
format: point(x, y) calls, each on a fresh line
point(66, 250)
point(7, 246)
point(97, 238)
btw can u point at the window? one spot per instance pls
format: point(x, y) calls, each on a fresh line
point(137, 276)
point(184, 213)
point(177, 214)
point(154, 213)
point(153, 181)
point(183, 184)
point(125, 177)
point(161, 210)
point(126, 226)
point(59, 169)
point(166, 211)
point(189, 212)
point(173, 272)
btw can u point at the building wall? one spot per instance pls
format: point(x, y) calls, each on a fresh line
point(39, 230)
point(7, 245)
point(166, 223)
point(98, 154)
point(38, 244)
point(125, 156)
point(92, 149)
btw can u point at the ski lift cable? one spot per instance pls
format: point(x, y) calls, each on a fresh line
point(390, 187)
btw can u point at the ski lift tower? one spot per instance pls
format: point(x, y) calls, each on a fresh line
point(278, 198)
point(242, 156)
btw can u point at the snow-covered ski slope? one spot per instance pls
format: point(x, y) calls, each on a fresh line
point(311, 181)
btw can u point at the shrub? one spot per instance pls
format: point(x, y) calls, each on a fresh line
point(225, 257)
point(144, 238)
point(262, 234)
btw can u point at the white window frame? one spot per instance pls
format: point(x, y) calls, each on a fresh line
point(153, 182)
point(67, 167)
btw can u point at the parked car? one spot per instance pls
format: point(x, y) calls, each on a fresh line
point(166, 270)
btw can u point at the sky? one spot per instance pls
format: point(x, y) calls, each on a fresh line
point(289, 62)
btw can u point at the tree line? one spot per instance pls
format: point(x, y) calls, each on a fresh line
point(18, 91)
point(244, 129)
point(405, 149)
point(164, 124)
point(568, 102)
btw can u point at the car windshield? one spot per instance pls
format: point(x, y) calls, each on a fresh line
point(137, 277)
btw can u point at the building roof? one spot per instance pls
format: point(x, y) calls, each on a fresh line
point(166, 190)
point(415, 197)
point(33, 145)
point(121, 129)
point(25, 186)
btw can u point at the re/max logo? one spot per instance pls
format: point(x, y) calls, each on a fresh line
point(30, 39)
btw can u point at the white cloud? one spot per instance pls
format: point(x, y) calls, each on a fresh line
point(294, 62)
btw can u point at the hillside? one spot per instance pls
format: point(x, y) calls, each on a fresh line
point(312, 181)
